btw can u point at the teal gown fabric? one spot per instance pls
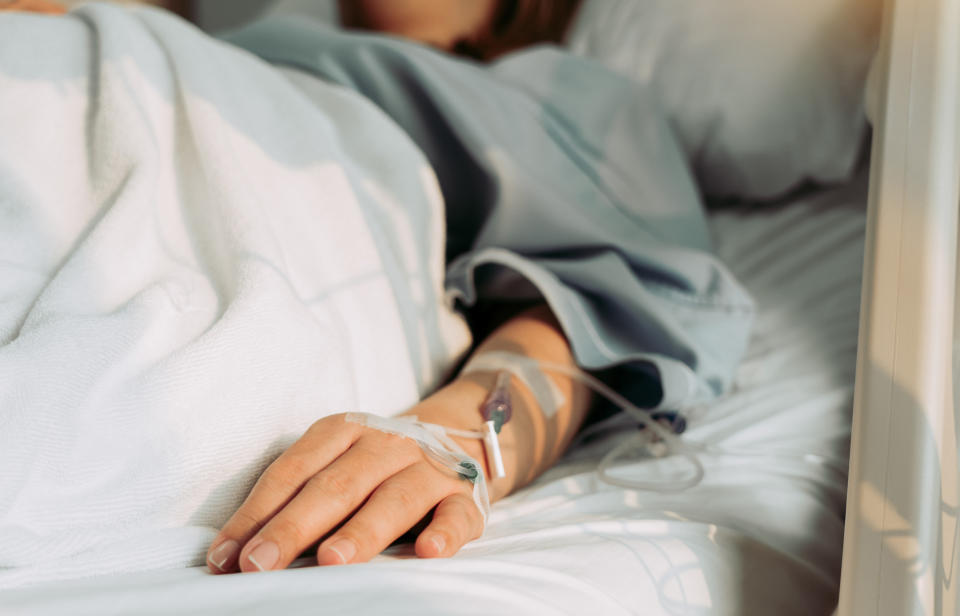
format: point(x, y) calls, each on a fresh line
point(562, 182)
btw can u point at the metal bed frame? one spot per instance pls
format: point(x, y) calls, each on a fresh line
point(900, 553)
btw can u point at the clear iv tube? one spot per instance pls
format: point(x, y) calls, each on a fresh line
point(673, 445)
point(658, 440)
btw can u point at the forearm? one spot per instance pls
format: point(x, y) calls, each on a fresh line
point(531, 441)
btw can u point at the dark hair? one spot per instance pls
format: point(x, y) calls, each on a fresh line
point(519, 23)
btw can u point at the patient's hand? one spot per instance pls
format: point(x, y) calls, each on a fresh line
point(33, 6)
point(381, 484)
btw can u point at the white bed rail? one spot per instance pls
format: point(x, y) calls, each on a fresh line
point(900, 553)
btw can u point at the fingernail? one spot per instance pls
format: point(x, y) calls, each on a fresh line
point(439, 543)
point(264, 556)
point(344, 549)
point(223, 553)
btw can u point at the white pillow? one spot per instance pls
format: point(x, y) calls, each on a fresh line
point(765, 94)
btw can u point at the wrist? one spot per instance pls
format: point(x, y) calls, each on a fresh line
point(457, 406)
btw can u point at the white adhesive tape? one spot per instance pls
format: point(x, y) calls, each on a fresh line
point(436, 443)
point(545, 392)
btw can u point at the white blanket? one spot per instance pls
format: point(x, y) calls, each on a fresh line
point(760, 536)
point(193, 267)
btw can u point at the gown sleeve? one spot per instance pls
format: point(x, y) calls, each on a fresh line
point(563, 182)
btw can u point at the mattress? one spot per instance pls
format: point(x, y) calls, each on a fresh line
point(761, 534)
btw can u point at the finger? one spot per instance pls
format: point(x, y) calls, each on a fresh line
point(397, 505)
point(325, 500)
point(322, 443)
point(456, 521)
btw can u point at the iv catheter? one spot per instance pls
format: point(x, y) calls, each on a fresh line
point(496, 410)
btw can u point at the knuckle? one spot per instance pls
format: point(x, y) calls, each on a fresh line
point(245, 519)
point(320, 425)
point(376, 439)
point(291, 468)
point(333, 486)
point(323, 426)
point(403, 497)
point(469, 516)
point(400, 450)
point(410, 448)
point(366, 539)
point(475, 526)
point(288, 531)
point(278, 479)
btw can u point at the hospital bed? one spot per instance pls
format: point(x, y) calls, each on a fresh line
point(759, 535)
point(901, 540)
point(762, 533)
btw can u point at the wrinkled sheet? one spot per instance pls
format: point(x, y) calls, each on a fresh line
point(761, 535)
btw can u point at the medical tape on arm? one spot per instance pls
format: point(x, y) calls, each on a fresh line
point(434, 441)
point(548, 396)
point(657, 439)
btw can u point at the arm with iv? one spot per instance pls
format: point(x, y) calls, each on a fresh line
point(356, 483)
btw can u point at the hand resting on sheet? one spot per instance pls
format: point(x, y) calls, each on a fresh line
point(356, 489)
point(351, 490)
point(360, 489)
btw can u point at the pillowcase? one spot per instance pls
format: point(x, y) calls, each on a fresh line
point(764, 94)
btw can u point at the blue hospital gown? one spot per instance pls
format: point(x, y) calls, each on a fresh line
point(563, 182)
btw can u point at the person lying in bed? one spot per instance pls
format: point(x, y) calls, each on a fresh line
point(337, 466)
point(339, 470)
point(356, 489)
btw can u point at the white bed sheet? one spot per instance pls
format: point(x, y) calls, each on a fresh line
point(761, 534)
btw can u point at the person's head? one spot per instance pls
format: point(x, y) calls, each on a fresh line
point(482, 29)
